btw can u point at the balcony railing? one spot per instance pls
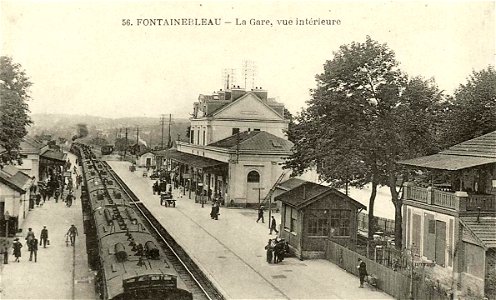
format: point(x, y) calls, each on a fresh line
point(444, 199)
point(451, 200)
point(485, 202)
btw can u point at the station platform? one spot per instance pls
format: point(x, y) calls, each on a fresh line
point(61, 271)
point(230, 251)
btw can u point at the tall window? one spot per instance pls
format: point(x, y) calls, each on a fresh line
point(318, 224)
point(290, 219)
point(253, 176)
point(192, 136)
point(204, 137)
point(340, 222)
point(235, 131)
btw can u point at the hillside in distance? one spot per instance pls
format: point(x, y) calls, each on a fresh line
point(150, 129)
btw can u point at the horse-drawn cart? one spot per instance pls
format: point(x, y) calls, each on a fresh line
point(167, 199)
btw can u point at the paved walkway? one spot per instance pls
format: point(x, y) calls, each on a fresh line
point(231, 251)
point(61, 272)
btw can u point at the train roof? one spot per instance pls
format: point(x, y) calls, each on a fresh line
point(116, 271)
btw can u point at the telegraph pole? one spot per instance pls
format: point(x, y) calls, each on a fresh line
point(137, 135)
point(169, 142)
point(125, 149)
point(162, 123)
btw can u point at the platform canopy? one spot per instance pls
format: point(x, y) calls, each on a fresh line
point(193, 160)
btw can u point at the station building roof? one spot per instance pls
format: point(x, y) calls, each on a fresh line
point(309, 192)
point(254, 140)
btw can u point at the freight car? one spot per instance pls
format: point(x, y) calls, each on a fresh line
point(128, 260)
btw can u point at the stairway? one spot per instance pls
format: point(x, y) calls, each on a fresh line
point(271, 191)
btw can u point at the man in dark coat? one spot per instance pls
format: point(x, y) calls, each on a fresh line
point(68, 199)
point(44, 236)
point(17, 249)
point(260, 214)
point(273, 225)
point(362, 271)
point(33, 249)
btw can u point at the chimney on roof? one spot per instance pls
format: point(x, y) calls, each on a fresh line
point(262, 94)
point(478, 214)
point(237, 92)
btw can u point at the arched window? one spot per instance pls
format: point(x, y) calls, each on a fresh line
point(253, 176)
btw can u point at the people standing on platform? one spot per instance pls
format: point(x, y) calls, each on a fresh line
point(43, 194)
point(72, 233)
point(79, 180)
point(273, 225)
point(155, 188)
point(362, 271)
point(44, 236)
point(214, 213)
point(33, 249)
point(260, 214)
point(68, 199)
point(269, 249)
point(38, 198)
point(56, 195)
point(29, 236)
point(17, 249)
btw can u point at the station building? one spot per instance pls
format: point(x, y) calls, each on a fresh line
point(236, 147)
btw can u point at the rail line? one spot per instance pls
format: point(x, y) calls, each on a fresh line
point(196, 281)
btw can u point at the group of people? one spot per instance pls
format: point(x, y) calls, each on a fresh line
point(276, 250)
point(54, 186)
point(32, 242)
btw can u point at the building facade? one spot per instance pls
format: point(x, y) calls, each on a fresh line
point(236, 149)
point(15, 189)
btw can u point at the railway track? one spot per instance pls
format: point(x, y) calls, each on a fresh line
point(196, 281)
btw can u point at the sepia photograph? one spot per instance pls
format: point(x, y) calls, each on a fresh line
point(179, 150)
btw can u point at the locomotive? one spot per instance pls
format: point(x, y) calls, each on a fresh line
point(107, 149)
point(125, 254)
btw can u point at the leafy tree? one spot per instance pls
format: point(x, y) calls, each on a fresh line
point(99, 141)
point(14, 94)
point(472, 111)
point(357, 125)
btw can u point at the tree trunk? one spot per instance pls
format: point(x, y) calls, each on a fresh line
point(398, 219)
point(371, 208)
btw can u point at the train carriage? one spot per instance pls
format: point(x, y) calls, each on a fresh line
point(129, 261)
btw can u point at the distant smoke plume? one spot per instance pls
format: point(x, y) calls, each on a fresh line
point(82, 131)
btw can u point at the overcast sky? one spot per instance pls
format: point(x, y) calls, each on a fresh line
point(83, 61)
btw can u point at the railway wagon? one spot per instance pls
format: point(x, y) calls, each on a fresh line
point(129, 261)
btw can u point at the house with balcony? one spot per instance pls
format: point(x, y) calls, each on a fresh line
point(236, 149)
point(449, 215)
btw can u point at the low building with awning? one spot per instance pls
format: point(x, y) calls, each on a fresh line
point(50, 160)
point(450, 216)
